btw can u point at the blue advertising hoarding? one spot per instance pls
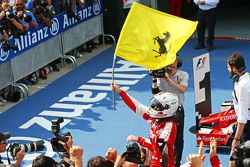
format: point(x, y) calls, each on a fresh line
point(60, 24)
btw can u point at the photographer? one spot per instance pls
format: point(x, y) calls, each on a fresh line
point(26, 17)
point(76, 154)
point(3, 145)
point(133, 156)
point(160, 116)
point(41, 12)
point(173, 80)
point(10, 25)
point(73, 157)
point(70, 155)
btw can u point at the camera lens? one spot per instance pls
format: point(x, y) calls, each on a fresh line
point(33, 146)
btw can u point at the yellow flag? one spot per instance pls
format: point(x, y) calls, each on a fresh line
point(151, 38)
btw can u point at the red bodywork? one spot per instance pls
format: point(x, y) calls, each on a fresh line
point(218, 125)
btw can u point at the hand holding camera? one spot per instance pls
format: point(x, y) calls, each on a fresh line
point(19, 156)
point(60, 143)
point(9, 15)
point(160, 73)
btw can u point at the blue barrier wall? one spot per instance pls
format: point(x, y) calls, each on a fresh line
point(44, 44)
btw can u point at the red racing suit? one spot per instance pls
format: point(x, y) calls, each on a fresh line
point(215, 162)
point(162, 132)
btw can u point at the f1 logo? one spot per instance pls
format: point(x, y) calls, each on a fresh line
point(201, 62)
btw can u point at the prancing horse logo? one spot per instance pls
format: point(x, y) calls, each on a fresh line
point(161, 42)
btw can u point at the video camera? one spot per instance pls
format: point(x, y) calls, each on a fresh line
point(160, 73)
point(14, 148)
point(55, 127)
point(133, 153)
point(242, 153)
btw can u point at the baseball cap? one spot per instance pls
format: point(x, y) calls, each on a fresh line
point(4, 135)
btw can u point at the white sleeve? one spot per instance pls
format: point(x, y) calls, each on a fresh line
point(243, 101)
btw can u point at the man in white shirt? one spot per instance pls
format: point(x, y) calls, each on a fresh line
point(241, 97)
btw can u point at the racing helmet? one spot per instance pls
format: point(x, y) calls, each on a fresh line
point(163, 105)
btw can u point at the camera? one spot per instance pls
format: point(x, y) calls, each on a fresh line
point(133, 153)
point(14, 148)
point(2, 29)
point(6, 47)
point(242, 154)
point(27, 18)
point(160, 73)
point(9, 14)
point(24, 16)
point(55, 127)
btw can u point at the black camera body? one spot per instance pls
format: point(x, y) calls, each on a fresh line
point(9, 14)
point(6, 47)
point(133, 153)
point(160, 73)
point(242, 153)
point(14, 148)
point(55, 127)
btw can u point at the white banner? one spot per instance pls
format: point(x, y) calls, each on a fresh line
point(202, 88)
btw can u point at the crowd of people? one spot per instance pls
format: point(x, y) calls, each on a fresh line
point(19, 16)
point(165, 117)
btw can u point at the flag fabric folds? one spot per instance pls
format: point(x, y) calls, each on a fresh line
point(151, 38)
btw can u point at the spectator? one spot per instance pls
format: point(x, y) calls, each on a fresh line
point(43, 161)
point(111, 155)
point(42, 14)
point(206, 16)
point(70, 7)
point(145, 155)
point(174, 81)
point(214, 159)
point(160, 117)
point(121, 162)
point(97, 161)
point(3, 144)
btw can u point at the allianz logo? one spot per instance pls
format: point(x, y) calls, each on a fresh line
point(54, 29)
point(97, 7)
point(3, 55)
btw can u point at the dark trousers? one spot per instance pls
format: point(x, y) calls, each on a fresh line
point(207, 20)
point(179, 142)
point(246, 132)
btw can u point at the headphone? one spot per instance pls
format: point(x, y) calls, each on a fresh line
point(179, 62)
point(235, 77)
